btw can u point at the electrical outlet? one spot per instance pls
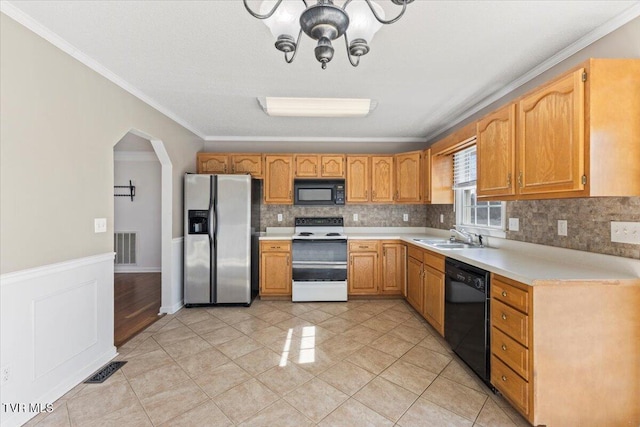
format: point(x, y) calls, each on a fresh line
point(562, 227)
point(100, 225)
point(514, 224)
point(441, 218)
point(405, 217)
point(6, 372)
point(279, 217)
point(625, 232)
point(355, 217)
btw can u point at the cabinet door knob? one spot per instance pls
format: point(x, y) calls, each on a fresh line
point(504, 378)
point(504, 316)
point(504, 347)
point(509, 180)
point(504, 293)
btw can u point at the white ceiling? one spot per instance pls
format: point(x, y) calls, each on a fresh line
point(204, 63)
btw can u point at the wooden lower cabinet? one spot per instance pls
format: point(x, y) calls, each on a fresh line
point(392, 271)
point(565, 353)
point(275, 268)
point(433, 306)
point(363, 267)
point(425, 285)
point(415, 272)
point(376, 267)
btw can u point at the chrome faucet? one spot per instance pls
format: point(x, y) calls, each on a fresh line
point(468, 237)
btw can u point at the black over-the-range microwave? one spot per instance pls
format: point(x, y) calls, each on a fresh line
point(318, 192)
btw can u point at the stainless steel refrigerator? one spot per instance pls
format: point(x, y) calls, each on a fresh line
point(222, 221)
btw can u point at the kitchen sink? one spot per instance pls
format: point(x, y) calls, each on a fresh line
point(447, 244)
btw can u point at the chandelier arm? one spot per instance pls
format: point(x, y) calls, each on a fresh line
point(295, 52)
point(346, 45)
point(390, 21)
point(266, 16)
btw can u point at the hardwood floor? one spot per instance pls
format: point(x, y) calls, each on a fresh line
point(136, 305)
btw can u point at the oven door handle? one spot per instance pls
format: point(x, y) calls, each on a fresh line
point(319, 264)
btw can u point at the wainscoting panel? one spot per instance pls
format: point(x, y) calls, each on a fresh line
point(74, 309)
point(56, 330)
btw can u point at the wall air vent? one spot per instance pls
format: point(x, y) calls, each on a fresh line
point(125, 247)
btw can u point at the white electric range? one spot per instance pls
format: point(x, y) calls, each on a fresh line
point(319, 259)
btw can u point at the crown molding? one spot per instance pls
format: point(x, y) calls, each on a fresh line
point(212, 138)
point(608, 27)
point(30, 23)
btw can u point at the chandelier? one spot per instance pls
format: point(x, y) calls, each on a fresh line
point(324, 22)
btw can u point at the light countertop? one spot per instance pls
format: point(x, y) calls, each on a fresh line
point(524, 262)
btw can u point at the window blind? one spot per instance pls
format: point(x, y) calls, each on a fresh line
point(464, 168)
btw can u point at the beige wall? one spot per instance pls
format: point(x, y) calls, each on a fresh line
point(59, 123)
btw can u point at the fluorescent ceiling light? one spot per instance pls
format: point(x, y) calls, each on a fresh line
point(317, 107)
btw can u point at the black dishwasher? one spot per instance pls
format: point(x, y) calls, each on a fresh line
point(466, 308)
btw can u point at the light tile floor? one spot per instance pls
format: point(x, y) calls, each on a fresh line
point(276, 363)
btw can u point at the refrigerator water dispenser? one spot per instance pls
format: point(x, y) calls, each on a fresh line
point(198, 222)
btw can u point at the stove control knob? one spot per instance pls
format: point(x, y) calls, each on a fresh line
point(478, 283)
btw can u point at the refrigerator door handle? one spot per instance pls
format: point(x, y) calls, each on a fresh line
point(211, 221)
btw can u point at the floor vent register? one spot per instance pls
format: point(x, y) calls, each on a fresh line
point(105, 372)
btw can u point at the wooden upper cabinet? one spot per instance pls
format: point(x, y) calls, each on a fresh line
point(382, 189)
point(551, 137)
point(358, 179)
point(319, 166)
point(408, 177)
point(213, 163)
point(247, 163)
point(426, 176)
point(306, 166)
point(220, 163)
point(332, 166)
point(496, 145)
point(278, 179)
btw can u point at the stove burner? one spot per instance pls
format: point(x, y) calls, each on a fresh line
point(333, 234)
point(306, 233)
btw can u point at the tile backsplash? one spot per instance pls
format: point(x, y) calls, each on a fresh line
point(588, 222)
point(368, 215)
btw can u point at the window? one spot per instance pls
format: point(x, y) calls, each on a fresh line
point(471, 213)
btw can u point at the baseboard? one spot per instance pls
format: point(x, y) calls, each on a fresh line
point(135, 269)
point(172, 309)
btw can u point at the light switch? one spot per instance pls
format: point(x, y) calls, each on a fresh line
point(100, 225)
point(355, 217)
point(405, 217)
point(279, 217)
point(514, 224)
point(441, 218)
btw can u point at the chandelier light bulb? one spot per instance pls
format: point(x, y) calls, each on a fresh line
point(286, 19)
point(362, 24)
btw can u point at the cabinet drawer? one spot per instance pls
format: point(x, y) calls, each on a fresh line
point(514, 388)
point(510, 352)
point(363, 245)
point(434, 260)
point(415, 252)
point(510, 321)
point(516, 298)
point(275, 246)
